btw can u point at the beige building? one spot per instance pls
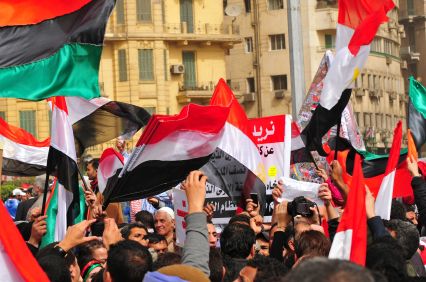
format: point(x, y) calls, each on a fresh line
point(160, 55)
point(263, 74)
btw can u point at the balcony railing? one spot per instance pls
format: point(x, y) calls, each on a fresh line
point(410, 53)
point(207, 28)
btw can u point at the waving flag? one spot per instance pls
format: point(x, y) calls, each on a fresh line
point(16, 261)
point(417, 112)
point(169, 148)
point(51, 48)
point(23, 155)
point(109, 163)
point(350, 241)
point(384, 197)
point(358, 22)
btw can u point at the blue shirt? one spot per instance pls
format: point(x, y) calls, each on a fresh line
point(12, 206)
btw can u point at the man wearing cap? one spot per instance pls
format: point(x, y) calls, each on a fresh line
point(164, 222)
point(13, 202)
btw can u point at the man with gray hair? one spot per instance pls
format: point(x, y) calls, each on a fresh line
point(24, 209)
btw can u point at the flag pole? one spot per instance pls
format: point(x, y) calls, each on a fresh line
point(337, 138)
point(86, 188)
point(46, 186)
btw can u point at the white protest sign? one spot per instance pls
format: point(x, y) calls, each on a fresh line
point(180, 204)
point(294, 188)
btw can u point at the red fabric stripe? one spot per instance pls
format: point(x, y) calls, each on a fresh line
point(109, 152)
point(60, 103)
point(20, 136)
point(196, 118)
point(395, 149)
point(223, 96)
point(18, 252)
point(26, 12)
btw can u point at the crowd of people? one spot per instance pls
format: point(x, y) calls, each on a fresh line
point(293, 247)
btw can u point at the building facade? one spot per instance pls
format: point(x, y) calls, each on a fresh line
point(263, 75)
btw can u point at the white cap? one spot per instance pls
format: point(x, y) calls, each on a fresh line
point(18, 192)
point(167, 210)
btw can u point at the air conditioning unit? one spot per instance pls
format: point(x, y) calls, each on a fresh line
point(404, 65)
point(177, 69)
point(250, 97)
point(279, 94)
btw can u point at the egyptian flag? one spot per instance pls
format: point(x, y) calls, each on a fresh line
point(16, 261)
point(350, 241)
point(236, 166)
point(384, 197)
point(358, 22)
point(109, 163)
point(51, 48)
point(99, 120)
point(417, 112)
point(170, 147)
point(62, 163)
point(23, 155)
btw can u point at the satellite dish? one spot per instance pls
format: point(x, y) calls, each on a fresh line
point(233, 10)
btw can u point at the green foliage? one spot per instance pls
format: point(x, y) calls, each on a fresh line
point(8, 186)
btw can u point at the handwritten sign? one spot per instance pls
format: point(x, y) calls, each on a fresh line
point(294, 188)
point(180, 204)
point(225, 207)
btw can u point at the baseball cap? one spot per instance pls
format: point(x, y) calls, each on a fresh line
point(18, 192)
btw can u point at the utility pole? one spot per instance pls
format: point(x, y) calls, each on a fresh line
point(297, 68)
point(257, 50)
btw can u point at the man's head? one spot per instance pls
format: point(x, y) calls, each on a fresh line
point(164, 222)
point(17, 193)
point(312, 243)
point(39, 183)
point(92, 250)
point(157, 242)
point(411, 214)
point(406, 234)
point(262, 244)
point(146, 218)
point(261, 268)
point(167, 259)
point(127, 261)
point(120, 143)
point(215, 265)
point(212, 234)
point(92, 169)
point(240, 218)
point(237, 241)
point(136, 232)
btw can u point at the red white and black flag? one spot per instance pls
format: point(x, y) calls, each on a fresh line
point(62, 162)
point(23, 155)
point(110, 162)
point(169, 148)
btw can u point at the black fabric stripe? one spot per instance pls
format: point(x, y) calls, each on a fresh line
point(321, 122)
point(24, 44)
point(66, 170)
point(150, 178)
point(13, 167)
point(108, 122)
point(417, 125)
point(236, 180)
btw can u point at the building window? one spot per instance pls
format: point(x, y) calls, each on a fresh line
point(277, 41)
point(275, 4)
point(376, 45)
point(410, 7)
point(248, 46)
point(119, 7)
point(229, 82)
point(122, 65)
point(189, 77)
point(279, 82)
point(250, 85)
point(247, 4)
point(146, 65)
point(143, 10)
point(330, 41)
point(27, 121)
point(3, 115)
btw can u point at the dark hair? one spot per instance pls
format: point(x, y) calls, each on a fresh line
point(166, 259)
point(240, 218)
point(233, 267)
point(324, 270)
point(397, 210)
point(49, 250)
point(155, 238)
point(94, 162)
point(385, 256)
point(146, 218)
point(128, 261)
point(85, 252)
point(125, 232)
point(215, 265)
point(99, 277)
point(407, 236)
point(267, 267)
point(237, 240)
point(55, 269)
point(312, 242)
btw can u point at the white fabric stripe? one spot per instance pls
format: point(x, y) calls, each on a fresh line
point(79, 108)
point(62, 134)
point(106, 169)
point(64, 201)
point(8, 271)
point(341, 75)
point(241, 147)
point(178, 146)
point(343, 36)
point(384, 197)
point(24, 153)
point(287, 145)
point(341, 246)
